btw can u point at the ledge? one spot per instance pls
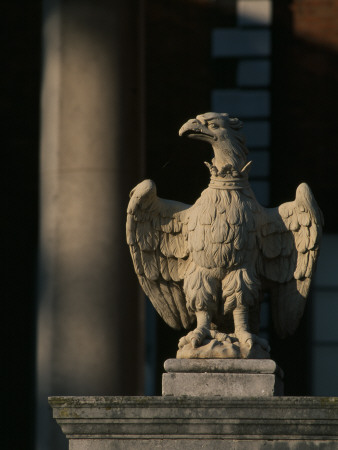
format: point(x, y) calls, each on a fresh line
point(176, 418)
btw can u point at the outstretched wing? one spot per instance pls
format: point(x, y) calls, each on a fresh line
point(156, 235)
point(289, 242)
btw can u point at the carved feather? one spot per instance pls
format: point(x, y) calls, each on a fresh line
point(156, 220)
point(270, 228)
point(288, 302)
point(302, 263)
point(177, 226)
point(249, 220)
point(150, 267)
point(160, 302)
point(166, 224)
point(164, 245)
point(271, 245)
point(203, 259)
point(299, 225)
point(167, 295)
point(241, 236)
point(173, 244)
point(219, 229)
point(178, 298)
point(313, 237)
point(144, 236)
point(311, 264)
point(130, 230)
point(192, 221)
point(224, 202)
point(304, 219)
point(193, 283)
point(293, 223)
point(287, 244)
point(196, 238)
point(286, 210)
point(207, 215)
point(173, 269)
point(183, 266)
point(220, 254)
point(136, 257)
point(157, 243)
point(233, 214)
point(164, 267)
point(178, 245)
point(231, 234)
point(302, 239)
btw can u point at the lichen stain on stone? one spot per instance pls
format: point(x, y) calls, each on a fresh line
point(327, 401)
point(66, 413)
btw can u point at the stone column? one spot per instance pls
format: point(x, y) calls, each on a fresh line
point(89, 338)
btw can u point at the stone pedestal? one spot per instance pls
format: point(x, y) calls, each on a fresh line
point(206, 404)
point(129, 423)
point(222, 377)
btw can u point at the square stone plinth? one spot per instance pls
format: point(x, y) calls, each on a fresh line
point(222, 377)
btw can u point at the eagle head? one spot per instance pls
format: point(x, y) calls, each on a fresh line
point(223, 133)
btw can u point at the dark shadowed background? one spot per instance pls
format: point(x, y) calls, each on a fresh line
point(178, 74)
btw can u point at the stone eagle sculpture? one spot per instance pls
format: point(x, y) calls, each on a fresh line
point(207, 266)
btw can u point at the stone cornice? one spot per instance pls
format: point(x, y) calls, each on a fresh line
point(282, 418)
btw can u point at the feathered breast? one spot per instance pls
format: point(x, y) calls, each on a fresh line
point(221, 228)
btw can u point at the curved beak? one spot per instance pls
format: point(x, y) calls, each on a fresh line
point(196, 130)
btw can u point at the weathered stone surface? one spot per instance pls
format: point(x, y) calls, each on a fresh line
point(221, 384)
point(226, 378)
point(223, 365)
point(222, 349)
point(205, 444)
point(276, 423)
point(205, 266)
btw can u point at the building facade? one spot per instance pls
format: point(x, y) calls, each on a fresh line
point(94, 95)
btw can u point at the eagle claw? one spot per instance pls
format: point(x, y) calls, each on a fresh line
point(250, 339)
point(195, 337)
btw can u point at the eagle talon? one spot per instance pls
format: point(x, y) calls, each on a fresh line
point(250, 339)
point(249, 342)
point(194, 343)
point(182, 342)
point(195, 337)
point(221, 337)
